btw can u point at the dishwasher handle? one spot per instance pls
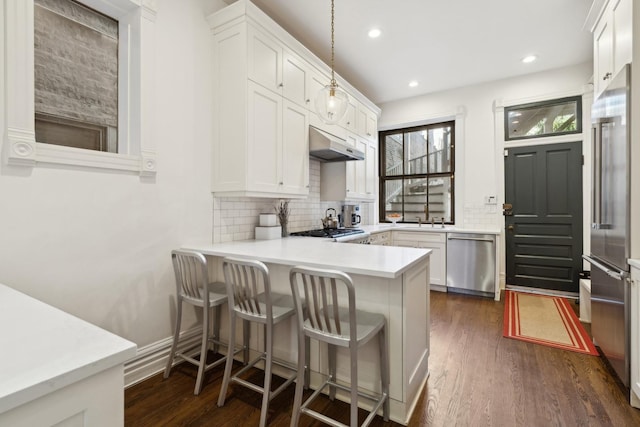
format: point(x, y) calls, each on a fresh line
point(476, 239)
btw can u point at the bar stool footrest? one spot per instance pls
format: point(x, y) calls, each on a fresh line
point(379, 400)
point(251, 386)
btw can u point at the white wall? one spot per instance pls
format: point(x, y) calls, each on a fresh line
point(97, 244)
point(478, 173)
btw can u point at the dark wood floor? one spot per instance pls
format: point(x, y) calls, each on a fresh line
point(478, 378)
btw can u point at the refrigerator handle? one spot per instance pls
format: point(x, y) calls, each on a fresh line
point(618, 275)
point(596, 202)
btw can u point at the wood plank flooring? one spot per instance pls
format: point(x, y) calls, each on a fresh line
point(478, 378)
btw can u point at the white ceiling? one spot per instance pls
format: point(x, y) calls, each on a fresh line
point(443, 44)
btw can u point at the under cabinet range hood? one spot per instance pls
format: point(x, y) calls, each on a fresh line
point(330, 148)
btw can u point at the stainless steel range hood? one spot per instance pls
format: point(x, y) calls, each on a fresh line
point(330, 148)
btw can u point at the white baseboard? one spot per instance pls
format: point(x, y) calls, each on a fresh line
point(151, 359)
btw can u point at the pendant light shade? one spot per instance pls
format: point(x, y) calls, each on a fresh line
point(331, 101)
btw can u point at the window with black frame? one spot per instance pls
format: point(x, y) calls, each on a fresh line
point(417, 174)
point(547, 118)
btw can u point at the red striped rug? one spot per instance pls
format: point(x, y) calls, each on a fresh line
point(545, 320)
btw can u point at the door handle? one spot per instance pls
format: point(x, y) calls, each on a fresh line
point(511, 228)
point(507, 209)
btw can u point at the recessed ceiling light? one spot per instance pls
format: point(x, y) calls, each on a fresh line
point(374, 32)
point(529, 58)
point(413, 83)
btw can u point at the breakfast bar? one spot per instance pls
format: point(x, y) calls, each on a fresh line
point(393, 281)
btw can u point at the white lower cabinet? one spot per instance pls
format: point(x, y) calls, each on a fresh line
point(635, 333)
point(437, 242)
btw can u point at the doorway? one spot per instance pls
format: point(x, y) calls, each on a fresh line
point(543, 216)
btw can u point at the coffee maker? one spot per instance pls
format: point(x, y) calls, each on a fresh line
point(350, 216)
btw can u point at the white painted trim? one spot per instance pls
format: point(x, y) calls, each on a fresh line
point(19, 146)
point(586, 92)
point(152, 359)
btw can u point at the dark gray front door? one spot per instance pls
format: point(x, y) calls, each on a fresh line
point(543, 185)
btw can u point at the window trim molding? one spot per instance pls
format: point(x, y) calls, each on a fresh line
point(456, 125)
point(136, 153)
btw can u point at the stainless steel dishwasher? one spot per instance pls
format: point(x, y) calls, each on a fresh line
point(471, 263)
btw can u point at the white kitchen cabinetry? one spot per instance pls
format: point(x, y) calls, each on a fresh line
point(58, 370)
point(437, 242)
point(635, 332)
point(261, 143)
point(276, 68)
point(366, 123)
point(354, 180)
point(350, 118)
point(612, 42)
point(265, 85)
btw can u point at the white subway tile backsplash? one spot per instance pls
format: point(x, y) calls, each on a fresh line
point(235, 218)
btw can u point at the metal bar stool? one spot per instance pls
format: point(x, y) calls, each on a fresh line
point(194, 287)
point(324, 320)
point(251, 299)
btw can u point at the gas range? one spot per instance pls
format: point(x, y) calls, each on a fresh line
point(331, 233)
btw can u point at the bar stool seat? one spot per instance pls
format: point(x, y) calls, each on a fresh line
point(194, 287)
point(325, 320)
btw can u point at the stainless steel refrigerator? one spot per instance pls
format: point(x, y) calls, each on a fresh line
point(610, 296)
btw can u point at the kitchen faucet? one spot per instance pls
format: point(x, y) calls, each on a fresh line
point(432, 220)
point(442, 221)
point(419, 221)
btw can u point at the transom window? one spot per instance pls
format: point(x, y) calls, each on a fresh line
point(547, 118)
point(417, 173)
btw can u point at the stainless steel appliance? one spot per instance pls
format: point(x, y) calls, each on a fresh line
point(610, 293)
point(329, 148)
point(471, 263)
point(330, 233)
point(350, 216)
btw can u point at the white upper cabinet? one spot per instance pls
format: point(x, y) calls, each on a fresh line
point(354, 180)
point(612, 42)
point(349, 120)
point(264, 162)
point(623, 26)
point(295, 149)
point(366, 123)
point(265, 84)
point(261, 138)
point(295, 73)
point(265, 60)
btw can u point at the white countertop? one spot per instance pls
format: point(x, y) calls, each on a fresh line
point(634, 262)
point(426, 228)
point(44, 349)
point(380, 261)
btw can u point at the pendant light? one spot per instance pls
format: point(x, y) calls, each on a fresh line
point(332, 102)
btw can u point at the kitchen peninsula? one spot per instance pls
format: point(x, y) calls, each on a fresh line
point(393, 281)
